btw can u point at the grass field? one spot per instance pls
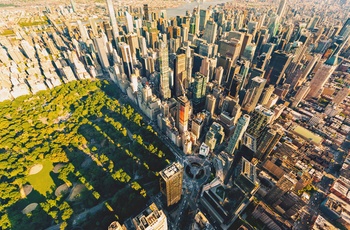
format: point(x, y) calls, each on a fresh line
point(307, 134)
point(42, 181)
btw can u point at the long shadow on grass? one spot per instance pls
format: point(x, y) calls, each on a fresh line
point(154, 162)
point(111, 89)
point(147, 135)
point(38, 219)
point(123, 199)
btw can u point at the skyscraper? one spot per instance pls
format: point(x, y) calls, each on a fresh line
point(265, 97)
point(204, 16)
point(129, 22)
point(113, 20)
point(133, 42)
point(219, 71)
point(183, 110)
point(240, 128)
point(210, 31)
point(171, 183)
point(284, 184)
point(127, 58)
point(321, 76)
point(93, 25)
point(259, 119)
point(151, 218)
point(214, 136)
point(345, 30)
point(210, 104)
point(164, 71)
point(281, 8)
point(100, 45)
point(269, 140)
point(145, 12)
point(301, 94)
point(254, 90)
point(278, 64)
point(83, 32)
point(230, 49)
point(180, 75)
point(199, 88)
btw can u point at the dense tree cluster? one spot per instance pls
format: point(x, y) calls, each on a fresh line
point(103, 145)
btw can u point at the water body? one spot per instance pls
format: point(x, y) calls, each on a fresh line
point(181, 10)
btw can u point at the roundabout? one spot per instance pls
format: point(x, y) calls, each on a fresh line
point(197, 169)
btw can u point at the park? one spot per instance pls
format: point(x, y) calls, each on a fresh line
point(66, 158)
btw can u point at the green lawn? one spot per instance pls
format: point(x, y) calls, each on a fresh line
point(42, 181)
point(307, 134)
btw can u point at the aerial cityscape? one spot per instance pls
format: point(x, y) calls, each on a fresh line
point(169, 114)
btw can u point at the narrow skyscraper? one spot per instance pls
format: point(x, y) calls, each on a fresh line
point(183, 110)
point(254, 91)
point(321, 76)
point(113, 20)
point(164, 71)
point(240, 128)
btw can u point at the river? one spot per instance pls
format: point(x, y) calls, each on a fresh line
point(181, 10)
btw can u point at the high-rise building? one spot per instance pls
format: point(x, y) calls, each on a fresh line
point(171, 183)
point(151, 219)
point(259, 119)
point(189, 64)
point(345, 30)
point(229, 104)
point(100, 45)
point(265, 97)
point(234, 85)
point(321, 76)
point(247, 40)
point(219, 71)
point(341, 95)
point(204, 16)
point(180, 75)
point(215, 135)
point(240, 128)
point(269, 140)
point(129, 22)
point(133, 42)
point(281, 8)
point(307, 70)
point(254, 91)
point(210, 104)
point(183, 113)
point(301, 94)
point(197, 124)
point(199, 88)
point(230, 49)
point(127, 58)
point(278, 64)
point(164, 71)
point(93, 25)
point(194, 26)
point(145, 12)
point(210, 31)
point(283, 185)
point(83, 32)
point(113, 20)
point(249, 52)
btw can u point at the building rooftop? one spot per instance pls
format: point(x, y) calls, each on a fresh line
point(321, 224)
point(151, 216)
point(170, 170)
